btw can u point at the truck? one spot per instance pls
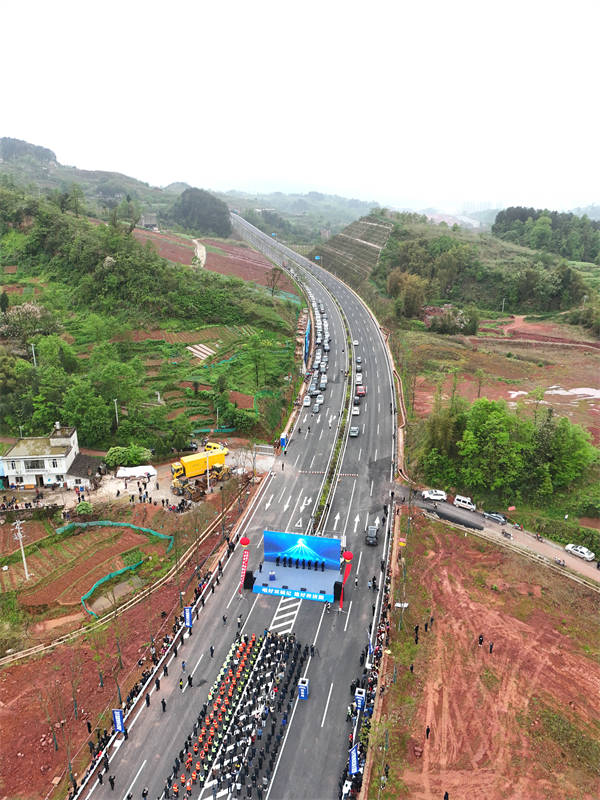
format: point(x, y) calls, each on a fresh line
point(198, 463)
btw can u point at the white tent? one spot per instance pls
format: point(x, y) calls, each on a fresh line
point(143, 471)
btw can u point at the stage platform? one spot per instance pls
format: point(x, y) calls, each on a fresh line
point(306, 584)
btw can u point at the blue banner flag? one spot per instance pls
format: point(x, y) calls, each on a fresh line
point(187, 616)
point(353, 760)
point(117, 715)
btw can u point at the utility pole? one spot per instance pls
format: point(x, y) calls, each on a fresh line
point(34, 358)
point(503, 301)
point(17, 525)
point(116, 411)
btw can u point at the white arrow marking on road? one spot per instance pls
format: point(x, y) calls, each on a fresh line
point(299, 523)
point(356, 521)
point(306, 502)
point(287, 503)
point(336, 520)
point(269, 502)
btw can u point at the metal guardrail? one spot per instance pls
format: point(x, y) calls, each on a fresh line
point(509, 544)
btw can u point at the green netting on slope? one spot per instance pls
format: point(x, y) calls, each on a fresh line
point(104, 580)
point(101, 523)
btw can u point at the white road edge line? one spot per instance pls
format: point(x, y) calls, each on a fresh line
point(347, 619)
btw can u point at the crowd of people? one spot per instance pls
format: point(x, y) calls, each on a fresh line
point(239, 754)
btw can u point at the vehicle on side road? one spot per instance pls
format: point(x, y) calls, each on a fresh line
point(495, 516)
point(354, 431)
point(580, 551)
point(434, 494)
point(461, 501)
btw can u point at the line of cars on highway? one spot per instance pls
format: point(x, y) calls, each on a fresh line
point(360, 391)
point(460, 501)
point(320, 365)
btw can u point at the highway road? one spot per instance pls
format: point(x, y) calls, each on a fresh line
point(315, 748)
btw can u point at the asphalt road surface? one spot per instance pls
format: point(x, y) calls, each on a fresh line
point(315, 747)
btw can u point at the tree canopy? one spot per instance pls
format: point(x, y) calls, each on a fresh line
point(199, 211)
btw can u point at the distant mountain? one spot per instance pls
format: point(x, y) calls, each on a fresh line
point(178, 187)
point(14, 149)
point(592, 212)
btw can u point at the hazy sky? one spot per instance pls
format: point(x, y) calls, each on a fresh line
point(410, 104)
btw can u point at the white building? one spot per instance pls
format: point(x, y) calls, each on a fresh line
point(36, 462)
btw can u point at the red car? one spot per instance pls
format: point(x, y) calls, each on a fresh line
point(361, 391)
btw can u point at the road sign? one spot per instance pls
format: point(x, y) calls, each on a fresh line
point(117, 716)
point(353, 760)
point(187, 616)
point(303, 688)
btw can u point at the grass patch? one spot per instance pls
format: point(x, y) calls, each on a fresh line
point(489, 679)
point(578, 748)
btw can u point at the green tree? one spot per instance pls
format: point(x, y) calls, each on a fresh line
point(88, 412)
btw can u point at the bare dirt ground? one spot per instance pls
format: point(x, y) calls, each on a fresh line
point(512, 369)
point(243, 263)
point(513, 723)
point(175, 248)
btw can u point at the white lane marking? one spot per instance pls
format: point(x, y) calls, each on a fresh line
point(349, 508)
point(327, 704)
point(258, 544)
point(248, 615)
point(348, 615)
point(375, 459)
point(293, 512)
point(371, 492)
point(379, 408)
point(192, 672)
point(135, 779)
point(281, 495)
point(363, 427)
point(377, 429)
point(296, 461)
point(321, 434)
point(359, 453)
point(359, 560)
point(312, 461)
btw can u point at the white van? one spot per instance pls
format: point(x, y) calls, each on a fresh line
point(464, 502)
point(359, 379)
point(323, 383)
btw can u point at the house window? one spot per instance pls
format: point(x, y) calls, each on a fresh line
point(18, 479)
point(54, 463)
point(34, 463)
point(77, 481)
point(59, 478)
point(13, 465)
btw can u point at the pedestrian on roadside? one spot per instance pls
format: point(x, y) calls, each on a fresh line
point(426, 627)
point(224, 619)
point(480, 639)
point(356, 582)
point(157, 683)
point(446, 796)
point(100, 778)
point(165, 670)
point(163, 703)
point(416, 630)
point(147, 698)
point(427, 731)
point(183, 666)
point(430, 623)
point(111, 780)
point(181, 683)
point(491, 646)
point(190, 680)
point(412, 667)
point(212, 651)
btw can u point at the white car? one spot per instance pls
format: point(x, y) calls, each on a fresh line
point(355, 343)
point(320, 399)
point(355, 411)
point(580, 551)
point(434, 494)
point(306, 401)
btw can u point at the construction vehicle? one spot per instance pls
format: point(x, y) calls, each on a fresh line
point(191, 491)
point(197, 464)
point(221, 473)
point(214, 447)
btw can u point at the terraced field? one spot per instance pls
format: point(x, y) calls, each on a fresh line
point(353, 253)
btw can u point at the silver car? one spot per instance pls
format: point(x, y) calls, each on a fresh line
point(580, 551)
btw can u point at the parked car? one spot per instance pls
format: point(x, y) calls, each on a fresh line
point(371, 535)
point(355, 343)
point(434, 494)
point(320, 399)
point(306, 402)
point(461, 501)
point(580, 551)
point(354, 430)
point(190, 447)
point(358, 360)
point(316, 408)
point(361, 391)
point(355, 411)
point(356, 401)
point(495, 516)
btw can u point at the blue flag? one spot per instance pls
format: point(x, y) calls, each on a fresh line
point(353, 760)
point(117, 716)
point(187, 616)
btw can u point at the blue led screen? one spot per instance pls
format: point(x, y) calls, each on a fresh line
point(297, 545)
